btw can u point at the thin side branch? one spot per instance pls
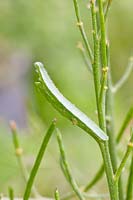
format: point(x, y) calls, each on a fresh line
point(19, 154)
point(125, 77)
point(70, 178)
point(129, 195)
point(127, 119)
point(107, 9)
point(123, 162)
point(84, 56)
point(82, 31)
point(95, 179)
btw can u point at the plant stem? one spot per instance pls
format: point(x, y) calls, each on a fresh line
point(11, 193)
point(124, 78)
point(86, 195)
point(57, 195)
point(95, 179)
point(82, 31)
point(107, 9)
point(69, 176)
point(127, 119)
point(102, 95)
point(113, 186)
point(84, 56)
point(38, 161)
point(19, 153)
point(96, 73)
point(110, 133)
point(123, 162)
point(129, 195)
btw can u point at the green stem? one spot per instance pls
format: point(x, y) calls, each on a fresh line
point(11, 193)
point(82, 31)
point(125, 77)
point(57, 195)
point(113, 187)
point(84, 56)
point(127, 119)
point(38, 161)
point(129, 195)
point(110, 133)
point(110, 124)
point(19, 153)
point(95, 179)
point(96, 73)
point(107, 9)
point(104, 63)
point(123, 162)
point(69, 176)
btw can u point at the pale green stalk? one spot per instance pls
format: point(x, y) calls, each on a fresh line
point(113, 186)
point(104, 64)
point(123, 162)
point(127, 119)
point(70, 177)
point(107, 9)
point(84, 56)
point(110, 124)
point(94, 180)
point(82, 31)
point(96, 72)
point(19, 153)
point(86, 195)
point(125, 77)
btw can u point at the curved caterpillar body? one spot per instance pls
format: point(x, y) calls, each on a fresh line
point(65, 107)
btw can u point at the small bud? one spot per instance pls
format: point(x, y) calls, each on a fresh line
point(79, 23)
point(105, 69)
point(19, 151)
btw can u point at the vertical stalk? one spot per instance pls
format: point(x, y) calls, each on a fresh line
point(110, 124)
point(129, 195)
point(113, 186)
point(104, 63)
point(81, 28)
point(95, 65)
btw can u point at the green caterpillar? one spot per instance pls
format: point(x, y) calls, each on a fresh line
point(65, 107)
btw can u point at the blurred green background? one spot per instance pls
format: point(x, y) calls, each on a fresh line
point(46, 31)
